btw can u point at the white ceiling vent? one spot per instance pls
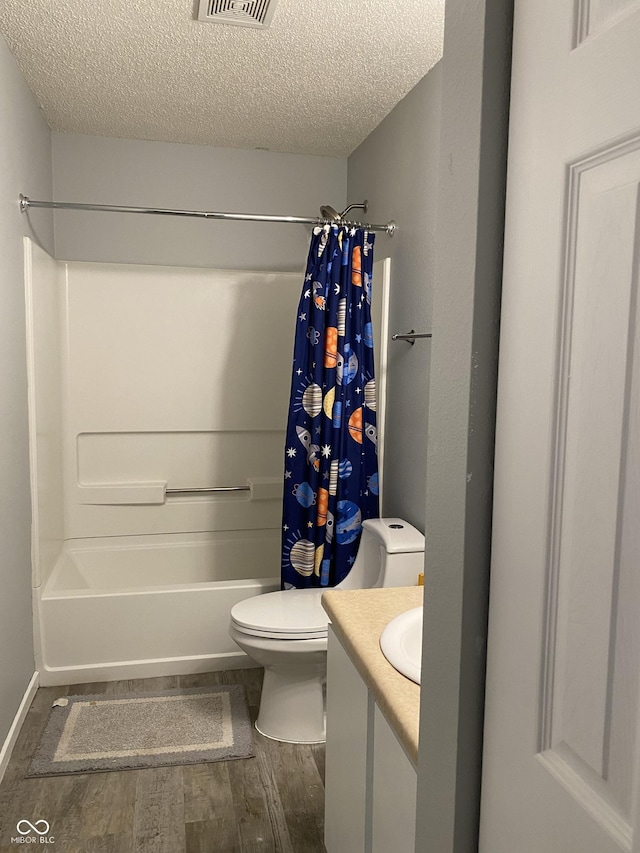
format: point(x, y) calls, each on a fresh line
point(244, 13)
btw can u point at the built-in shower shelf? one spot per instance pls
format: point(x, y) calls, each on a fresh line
point(119, 494)
point(265, 488)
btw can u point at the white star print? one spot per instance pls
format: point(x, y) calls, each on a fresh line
point(358, 390)
point(291, 452)
point(287, 475)
point(307, 294)
point(285, 526)
point(326, 451)
point(302, 317)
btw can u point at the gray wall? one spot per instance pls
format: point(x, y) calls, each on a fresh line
point(25, 166)
point(140, 173)
point(396, 168)
point(466, 300)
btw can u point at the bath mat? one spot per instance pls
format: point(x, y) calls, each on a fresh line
point(129, 731)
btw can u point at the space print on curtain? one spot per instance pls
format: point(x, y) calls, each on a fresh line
point(331, 465)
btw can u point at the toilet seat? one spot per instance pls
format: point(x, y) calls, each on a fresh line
point(295, 614)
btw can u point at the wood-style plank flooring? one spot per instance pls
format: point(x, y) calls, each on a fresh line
point(272, 803)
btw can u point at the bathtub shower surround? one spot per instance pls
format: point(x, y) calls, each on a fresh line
point(147, 387)
point(146, 380)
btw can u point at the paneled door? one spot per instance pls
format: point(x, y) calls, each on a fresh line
point(561, 770)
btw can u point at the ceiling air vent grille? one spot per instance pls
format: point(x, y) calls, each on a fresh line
point(244, 13)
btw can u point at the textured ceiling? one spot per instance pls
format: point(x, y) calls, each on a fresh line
point(317, 81)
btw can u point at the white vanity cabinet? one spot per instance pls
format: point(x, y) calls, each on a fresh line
point(370, 783)
point(394, 781)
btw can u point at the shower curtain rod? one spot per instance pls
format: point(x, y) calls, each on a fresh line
point(26, 203)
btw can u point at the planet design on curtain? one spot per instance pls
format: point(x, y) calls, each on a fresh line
point(331, 464)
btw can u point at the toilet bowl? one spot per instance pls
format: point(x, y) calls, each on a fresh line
point(286, 632)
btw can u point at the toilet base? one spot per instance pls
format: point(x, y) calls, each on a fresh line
point(292, 706)
point(295, 671)
point(286, 740)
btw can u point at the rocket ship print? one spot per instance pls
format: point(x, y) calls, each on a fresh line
point(367, 287)
point(319, 298)
point(372, 433)
point(313, 450)
point(347, 366)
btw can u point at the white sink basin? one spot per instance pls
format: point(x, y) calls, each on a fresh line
point(401, 643)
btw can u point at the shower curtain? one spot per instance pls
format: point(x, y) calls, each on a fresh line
point(331, 466)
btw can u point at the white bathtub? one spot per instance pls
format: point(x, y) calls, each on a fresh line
point(139, 606)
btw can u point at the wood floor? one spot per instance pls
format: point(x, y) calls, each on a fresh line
point(272, 803)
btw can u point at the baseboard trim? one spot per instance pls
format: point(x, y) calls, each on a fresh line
point(124, 670)
point(16, 725)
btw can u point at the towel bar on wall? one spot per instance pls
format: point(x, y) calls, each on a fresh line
point(411, 336)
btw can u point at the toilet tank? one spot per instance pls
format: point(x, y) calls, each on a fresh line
point(391, 553)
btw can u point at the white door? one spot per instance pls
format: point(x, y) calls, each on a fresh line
point(561, 768)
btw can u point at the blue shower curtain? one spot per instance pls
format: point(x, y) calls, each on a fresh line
point(331, 466)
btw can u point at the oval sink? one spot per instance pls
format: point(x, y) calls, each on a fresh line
point(401, 643)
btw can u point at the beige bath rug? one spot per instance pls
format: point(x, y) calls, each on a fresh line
point(130, 731)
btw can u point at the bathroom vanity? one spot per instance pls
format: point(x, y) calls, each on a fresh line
point(372, 727)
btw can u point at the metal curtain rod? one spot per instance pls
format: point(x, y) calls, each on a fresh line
point(26, 203)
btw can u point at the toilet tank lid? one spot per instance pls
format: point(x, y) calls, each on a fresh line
point(396, 535)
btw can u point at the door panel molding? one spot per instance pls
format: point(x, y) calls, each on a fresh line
point(589, 689)
point(607, 816)
point(594, 16)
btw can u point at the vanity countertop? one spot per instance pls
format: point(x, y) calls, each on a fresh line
point(358, 617)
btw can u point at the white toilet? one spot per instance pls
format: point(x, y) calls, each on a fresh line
point(286, 632)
